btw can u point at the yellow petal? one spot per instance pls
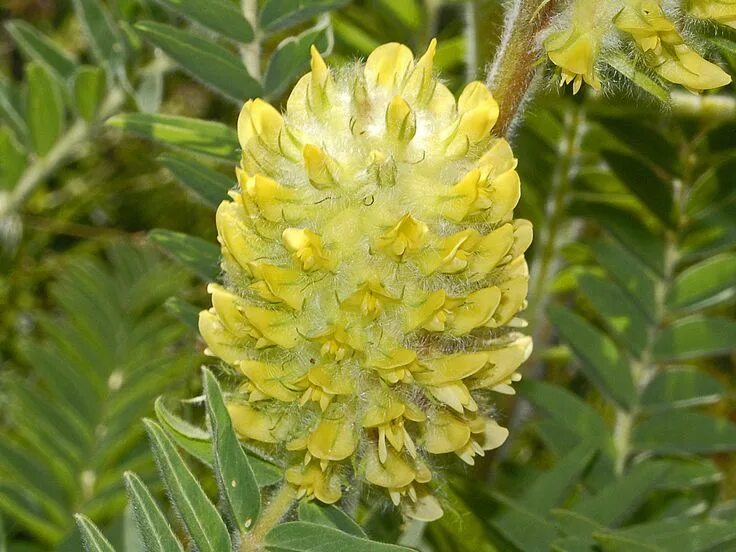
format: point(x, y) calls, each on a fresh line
point(445, 433)
point(425, 508)
point(401, 121)
point(307, 248)
point(388, 65)
point(407, 236)
point(451, 368)
point(394, 473)
point(321, 168)
point(220, 341)
point(476, 310)
point(420, 84)
point(259, 120)
point(271, 198)
point(256, 424)
point(277, 284)
point(491, 250)
point(272, 380)
point(334, 439)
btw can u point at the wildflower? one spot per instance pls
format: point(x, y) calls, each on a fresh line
point(372, 227)
point(665, 50)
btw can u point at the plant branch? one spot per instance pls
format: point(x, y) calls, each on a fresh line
point(514, 71)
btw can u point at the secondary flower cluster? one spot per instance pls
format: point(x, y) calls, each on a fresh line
point(595, 28)
point(373, 272)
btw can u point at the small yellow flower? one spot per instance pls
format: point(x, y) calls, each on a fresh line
point(372, 228)
point(664, 48)
point(575, 53)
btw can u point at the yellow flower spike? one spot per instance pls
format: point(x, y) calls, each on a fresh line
point(407, 236)
point(401, 121)
point(388, 65)
point(277, 284)
point(307, 248)
point(378, 210)
point(421, 84)
point(369, 299)
point(273, 201)
point(272, 380)
point(320, 167)
point(334, 439)
point(259, 120)
point(445, 433)
point(722, 11)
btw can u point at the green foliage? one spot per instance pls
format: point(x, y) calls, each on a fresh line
point(319, 529)
point(74, 426)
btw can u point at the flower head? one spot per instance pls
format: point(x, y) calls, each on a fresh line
point(372, 270)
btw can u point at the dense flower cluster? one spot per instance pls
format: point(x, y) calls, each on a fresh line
point(592, 26)
point(373, 272)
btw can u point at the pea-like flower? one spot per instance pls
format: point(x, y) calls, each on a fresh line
point(373, 274)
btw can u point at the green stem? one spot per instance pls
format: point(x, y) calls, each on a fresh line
point(470, 11)
point(65, 147)
point(513, 74)
point(279, 506)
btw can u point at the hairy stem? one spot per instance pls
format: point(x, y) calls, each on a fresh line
point(514, 71)
point(279, 506)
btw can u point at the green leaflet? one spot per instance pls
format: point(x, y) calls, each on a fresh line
point(235, 479)
point(201, 519)
point(602, 362)
point(221, 16)
point(685, 432)
point(92, 537)
point(695, 337)
point(199, 255)
point(89, 89)
point(329, 516)
point(291, 57)
point(103, 35)
point(206, 61)
point(150, 521)
point(203, 137)
point(280, 14)
point(38, 47)
point(679, 387)
point(300, 536)
point(209, 185)
point(44, 108)
point(705, 284)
